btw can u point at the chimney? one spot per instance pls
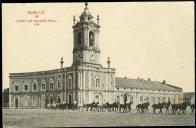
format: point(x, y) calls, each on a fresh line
point(164, 82)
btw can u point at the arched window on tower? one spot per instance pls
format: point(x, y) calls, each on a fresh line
point(91, 38)
point(79, 38)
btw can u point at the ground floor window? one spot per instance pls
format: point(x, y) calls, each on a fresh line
point(141, 99)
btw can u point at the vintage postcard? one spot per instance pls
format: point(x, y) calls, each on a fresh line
point(98, 64)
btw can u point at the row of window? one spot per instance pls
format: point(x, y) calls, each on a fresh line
point(145, 89)
point(147, 99)
point(43, 86)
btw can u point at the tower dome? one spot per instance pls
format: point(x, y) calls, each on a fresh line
point(86, 15)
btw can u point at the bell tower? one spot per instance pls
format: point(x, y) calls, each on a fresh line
point(86, 39)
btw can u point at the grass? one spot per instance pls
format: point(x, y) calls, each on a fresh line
point(56, 118)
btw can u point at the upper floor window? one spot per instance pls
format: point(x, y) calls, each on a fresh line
point(34, 86)
point(91, 38)
point(26, 87)
point(69, 83)
point(51, 85)
point(98, 83)
point(16, 88)
point(59, 84)
point(43, 86)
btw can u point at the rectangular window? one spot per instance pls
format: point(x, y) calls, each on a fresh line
point(43, 86)
point(26, 87)
point(51, 86)
point(59, 85)
point(34, 87)
point(16, 88)
point(69, 83)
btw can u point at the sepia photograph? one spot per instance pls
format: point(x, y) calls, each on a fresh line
point(98, 64)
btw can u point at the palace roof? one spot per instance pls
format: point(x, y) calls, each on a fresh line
point(144, 84)
point(188, 95)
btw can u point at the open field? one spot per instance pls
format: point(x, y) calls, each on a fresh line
point(56, 118)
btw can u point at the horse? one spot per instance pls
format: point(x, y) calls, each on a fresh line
point(109, 106)
point(115, 106)
point(91, 106)
point(158, 106)
point(174, 108)
point(192, 107)
point(181, 107)
point(62, 106)
point(167, 105)
point(104, 107)
point(126, 107)
point(142, 107)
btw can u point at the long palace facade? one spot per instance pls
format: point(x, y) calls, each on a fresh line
point(86, 80)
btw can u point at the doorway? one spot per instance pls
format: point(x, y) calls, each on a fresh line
point(16, 102)
point(125, 99)
point(70, 98)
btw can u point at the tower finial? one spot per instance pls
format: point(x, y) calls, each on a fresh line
point(108, 62)
point(86, 4)
point(97, 19)
point(61, 62)
point(74, 19)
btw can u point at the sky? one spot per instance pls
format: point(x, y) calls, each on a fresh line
point(143, 39)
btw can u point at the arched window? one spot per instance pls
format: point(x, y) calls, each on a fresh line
point(91, 38)
point(79, 38)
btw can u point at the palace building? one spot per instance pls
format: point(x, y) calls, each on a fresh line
point(86, 79)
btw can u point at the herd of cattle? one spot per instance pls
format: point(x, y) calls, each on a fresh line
point(115, 107)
